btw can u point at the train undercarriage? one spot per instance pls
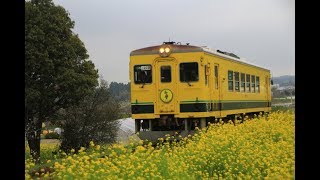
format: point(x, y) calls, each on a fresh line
point(153, 129)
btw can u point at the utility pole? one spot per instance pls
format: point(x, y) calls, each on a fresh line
point(291, 90)
point(291, 97)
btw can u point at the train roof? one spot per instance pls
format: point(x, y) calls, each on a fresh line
point(177, 48)
point(227, 56)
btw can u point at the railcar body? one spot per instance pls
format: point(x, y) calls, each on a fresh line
point(176, 88)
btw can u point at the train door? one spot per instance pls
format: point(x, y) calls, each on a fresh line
point(267, 85)
point(166, 91)
point(217, 90)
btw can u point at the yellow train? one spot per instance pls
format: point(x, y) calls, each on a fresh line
point(175, 88)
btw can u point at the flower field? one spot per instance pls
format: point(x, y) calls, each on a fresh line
point(256, 149)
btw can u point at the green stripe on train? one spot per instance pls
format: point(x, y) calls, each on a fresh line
point(207, 107)
point(141, 103)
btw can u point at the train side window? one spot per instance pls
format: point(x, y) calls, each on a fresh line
point(216, 76)
point(243, 83)
point(230, 80)
point(253, 79)
point(189, 72)
point(165, 73)
point(236, 80)
point(258, 84)
point(142, 74)
point(248, 82)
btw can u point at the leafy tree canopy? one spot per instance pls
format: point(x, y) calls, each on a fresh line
point(58, 73)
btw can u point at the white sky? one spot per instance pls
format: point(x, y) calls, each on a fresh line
point(261, 31)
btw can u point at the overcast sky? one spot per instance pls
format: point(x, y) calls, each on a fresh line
point(261, 31)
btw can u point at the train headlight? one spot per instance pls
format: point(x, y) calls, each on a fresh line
point(165, 51)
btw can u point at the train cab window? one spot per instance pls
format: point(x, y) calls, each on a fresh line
point(253, 79)
point(243, 83)
point(165, 73)
point(248, 82)
point(237, 83)
point(258, 83)
point(142, 74)
point(230, 80)
point(189, 72)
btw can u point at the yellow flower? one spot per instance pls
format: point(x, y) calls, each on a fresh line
point(91, 143)
point(249, 150)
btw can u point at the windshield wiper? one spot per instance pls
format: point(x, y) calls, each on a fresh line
point(143, 83)
point(188, 83)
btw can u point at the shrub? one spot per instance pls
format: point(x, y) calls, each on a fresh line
point(93, 119)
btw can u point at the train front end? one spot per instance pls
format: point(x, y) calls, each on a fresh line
point(166, 90)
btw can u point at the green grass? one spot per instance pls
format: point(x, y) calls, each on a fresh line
point(282, 100)
point(282, 108)
point(48, 149)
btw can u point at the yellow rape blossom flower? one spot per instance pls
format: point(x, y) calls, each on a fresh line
point(91, 143)
point(255, 149)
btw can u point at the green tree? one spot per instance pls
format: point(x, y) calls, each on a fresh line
point(94, 119)
point(58, 73)
point(120, 91)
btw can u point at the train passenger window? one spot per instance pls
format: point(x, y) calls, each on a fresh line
point(165, 73)
point(230, 80)
point(248, 82)
point(243, 83)
point(189, 72)
point(237, 83)
point(258, 84)
point(216, 76)
point(253, 79)
point(142, 74)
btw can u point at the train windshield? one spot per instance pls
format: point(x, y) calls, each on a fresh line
point(142, 74)
point(189, 72)
point(165, 74)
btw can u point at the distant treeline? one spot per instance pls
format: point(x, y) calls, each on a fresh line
point(287, 80)
point(120, 91)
